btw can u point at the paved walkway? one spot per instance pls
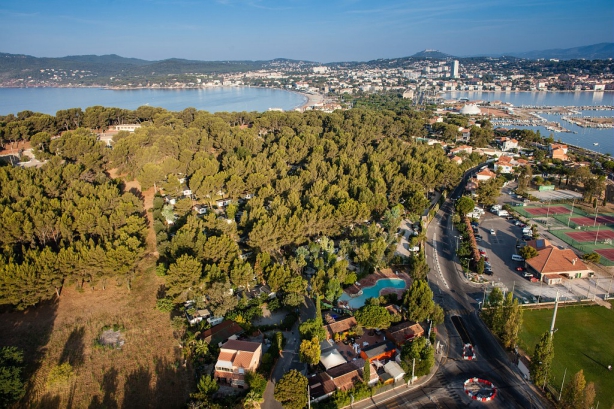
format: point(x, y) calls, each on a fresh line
point(289, 358)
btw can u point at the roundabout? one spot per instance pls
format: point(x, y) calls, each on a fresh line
point(480, 389)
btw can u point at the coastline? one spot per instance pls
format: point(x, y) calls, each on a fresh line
point(309, 99)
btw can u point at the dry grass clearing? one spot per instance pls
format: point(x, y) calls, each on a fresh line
point(147, 372)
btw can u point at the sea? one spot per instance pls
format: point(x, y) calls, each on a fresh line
point(214, 99)
point(595, 139)
point(229, 99)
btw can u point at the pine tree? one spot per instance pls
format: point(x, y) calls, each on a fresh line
point(542, 360)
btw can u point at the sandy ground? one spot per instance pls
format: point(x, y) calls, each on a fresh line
point(312, 99)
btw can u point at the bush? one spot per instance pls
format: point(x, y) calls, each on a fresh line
point(165, 305)
point(60, 374)
point(256, 382)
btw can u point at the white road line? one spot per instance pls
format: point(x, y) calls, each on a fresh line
point(437, 261)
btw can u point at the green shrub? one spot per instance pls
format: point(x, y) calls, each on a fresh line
point(60, 374)
point(165, 305)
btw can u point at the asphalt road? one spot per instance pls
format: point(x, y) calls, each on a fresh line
point(459, 297)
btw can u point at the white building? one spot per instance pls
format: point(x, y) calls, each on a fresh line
point(127, 127)
point(455, 66)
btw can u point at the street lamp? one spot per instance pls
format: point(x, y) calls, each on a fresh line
point(456, 237)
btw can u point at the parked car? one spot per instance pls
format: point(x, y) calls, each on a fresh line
point(482, 251)
point(492, 231)
point(488, 272)
point(520, 268)
point(478, 236)
point(478, 239)
point(517, 257)
point(528, 275)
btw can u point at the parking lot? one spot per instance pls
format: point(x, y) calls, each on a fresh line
point(499, 249)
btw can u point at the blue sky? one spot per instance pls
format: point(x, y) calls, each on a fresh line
point(317, 30)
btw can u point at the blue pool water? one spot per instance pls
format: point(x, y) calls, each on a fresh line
point(370, 292)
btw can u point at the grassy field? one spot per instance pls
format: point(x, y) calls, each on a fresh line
point(584, 340)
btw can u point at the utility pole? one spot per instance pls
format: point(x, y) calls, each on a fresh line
point(308, 397)
point(562, 383)
point(597, 235)
point(556, 307)
point(413, 367)
point(571, 214)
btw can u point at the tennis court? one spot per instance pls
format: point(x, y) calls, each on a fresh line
point(589, 221)
point(582, 236)
point(607, 253)
point(542, 211)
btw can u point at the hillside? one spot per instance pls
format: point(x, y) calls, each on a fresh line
point(600, 51)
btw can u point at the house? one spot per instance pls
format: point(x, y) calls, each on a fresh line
point(236, 358)
point(403, 332)
point(462, 148)
point(503, 167)
point(339, 327)
point(472, 185)
point(383, 350)
point(200, 209)
point(457, 159)
point(195, 316)
point(552, 264)
point(558, 151)
point(261, 290)
point(485, 174)
point(359, 363)
point(321, 386)
point(394, 370)
point(344, 376)
point(559, 154)
point(507, 143)
point(127, 127)
point(465, 134)
point(223, 202)
point(221, 332)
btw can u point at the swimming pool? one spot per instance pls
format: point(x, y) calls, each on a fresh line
point(369, 292)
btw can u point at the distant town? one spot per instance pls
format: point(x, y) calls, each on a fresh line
point(429, 72)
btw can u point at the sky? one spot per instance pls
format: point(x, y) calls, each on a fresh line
point(315, 30)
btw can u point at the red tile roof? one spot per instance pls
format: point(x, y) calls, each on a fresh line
point(551, 260)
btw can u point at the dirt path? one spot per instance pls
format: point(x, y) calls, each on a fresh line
point(148, 197)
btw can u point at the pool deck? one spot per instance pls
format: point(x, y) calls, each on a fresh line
point(371, 280)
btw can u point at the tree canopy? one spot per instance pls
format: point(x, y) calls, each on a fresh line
point(291, 390)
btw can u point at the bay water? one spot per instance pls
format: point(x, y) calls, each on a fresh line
point(215, 99)
point(583, 137)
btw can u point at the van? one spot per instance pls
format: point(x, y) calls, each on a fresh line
point(527, 231)
point(516, 257)
point(502, 213)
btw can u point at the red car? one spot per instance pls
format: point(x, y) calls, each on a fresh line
point(520, 268)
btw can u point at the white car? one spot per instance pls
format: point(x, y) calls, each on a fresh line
point(492, 231)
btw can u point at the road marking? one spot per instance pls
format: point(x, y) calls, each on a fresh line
point(437, 261)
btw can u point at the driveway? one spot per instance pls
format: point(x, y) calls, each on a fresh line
point(289, 358)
